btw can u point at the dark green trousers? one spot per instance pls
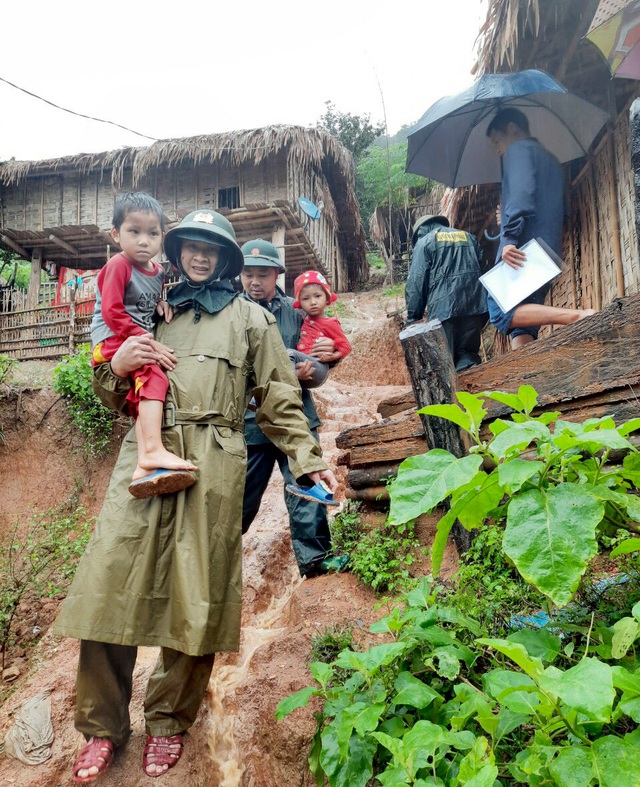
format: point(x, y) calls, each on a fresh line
point(104, 684)
point(308, 522)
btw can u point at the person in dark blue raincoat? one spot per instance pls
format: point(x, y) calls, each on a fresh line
point(532, 206)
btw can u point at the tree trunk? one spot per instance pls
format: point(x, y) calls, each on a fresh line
point(433, 378)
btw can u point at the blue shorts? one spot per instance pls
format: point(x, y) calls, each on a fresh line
point(502, 320)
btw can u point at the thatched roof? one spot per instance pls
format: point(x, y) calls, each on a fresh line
point(304, 147)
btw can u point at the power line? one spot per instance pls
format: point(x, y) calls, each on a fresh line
point(77, 114)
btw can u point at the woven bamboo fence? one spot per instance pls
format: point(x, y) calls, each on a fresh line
point(44, 333)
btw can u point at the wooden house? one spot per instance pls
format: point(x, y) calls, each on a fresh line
point(57, 213)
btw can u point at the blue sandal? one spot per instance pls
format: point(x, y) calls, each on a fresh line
point(162, 482)
point(316, 494)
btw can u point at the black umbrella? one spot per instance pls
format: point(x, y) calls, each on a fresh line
point(450, 144)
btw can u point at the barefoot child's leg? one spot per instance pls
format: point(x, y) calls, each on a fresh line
point(151, 452)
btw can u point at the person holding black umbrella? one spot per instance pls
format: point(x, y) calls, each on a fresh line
point(532, 206)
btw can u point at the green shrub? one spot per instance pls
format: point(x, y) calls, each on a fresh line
point(72, 378)
point(439, 704)
point(329, 643)
point(39, 560)
point(376, 262)
point(383, 556)
point(7, 368)
point(395, 291)
point(551, 505)
point(345, 528)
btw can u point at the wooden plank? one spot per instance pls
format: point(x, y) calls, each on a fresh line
point(395, 451)
point(397, 404)
point(382, 431)
point(592, 356)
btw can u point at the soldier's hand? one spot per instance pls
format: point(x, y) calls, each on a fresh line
point(304, 370)
point(513, 256)
point(327, 476)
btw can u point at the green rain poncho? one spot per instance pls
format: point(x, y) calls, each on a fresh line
point(166, 571)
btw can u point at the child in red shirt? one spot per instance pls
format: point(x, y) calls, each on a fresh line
point(312, 295)
point(129, 288)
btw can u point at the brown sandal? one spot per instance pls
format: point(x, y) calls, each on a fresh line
point(164, 752)
point(98, 753)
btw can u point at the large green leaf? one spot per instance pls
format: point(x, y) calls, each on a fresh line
point(450, 412)
point(358, 768)
point(631, 468)
point(586, 688)
point(514, 690)
point(531, 665)
point(514, 473)
point(625, 632)
point(572, 767)
point(372, 659)
point(517, 437)
point(550, 536)
point(298, 700)
point(473, 404)
point(616, 762)
point(413, 692)
point(625, 547)
point(426, 480)
point(539, 642)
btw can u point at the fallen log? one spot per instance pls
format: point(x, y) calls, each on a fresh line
point(361, 477)
point(378, 453)
point(371, 494)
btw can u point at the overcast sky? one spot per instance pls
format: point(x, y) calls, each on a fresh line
point(214, 66)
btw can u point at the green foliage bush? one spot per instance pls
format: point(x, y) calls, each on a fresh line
point(38, 560)
point(383, 556)
point(437, 705)
point(72, 378)
point(551, 506)
point(7, 368)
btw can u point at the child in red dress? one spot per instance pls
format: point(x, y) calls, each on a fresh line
point(129, 289)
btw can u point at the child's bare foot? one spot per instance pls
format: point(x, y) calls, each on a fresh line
point(154, 460)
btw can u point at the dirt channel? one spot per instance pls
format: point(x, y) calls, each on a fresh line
point(236, 741)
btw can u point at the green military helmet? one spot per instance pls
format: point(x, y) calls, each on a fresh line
point(429, 219)
point(210, 227)
point(262, 254)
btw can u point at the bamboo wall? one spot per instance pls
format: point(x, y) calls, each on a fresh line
point(588, 279)
point(322, 232)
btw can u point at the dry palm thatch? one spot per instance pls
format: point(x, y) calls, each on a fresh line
point(506, 24)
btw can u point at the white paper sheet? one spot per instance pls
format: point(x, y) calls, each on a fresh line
point(510, 286)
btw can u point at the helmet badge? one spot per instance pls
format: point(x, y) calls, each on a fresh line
point(255, 252)
point(205, 218)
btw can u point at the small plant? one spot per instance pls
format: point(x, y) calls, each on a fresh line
point(329, 643)
point(395, 291)
point(39, 560)
point(345, 528)
point(382, 558)
point(376, 262)
point(72, 378)
point(7, 368)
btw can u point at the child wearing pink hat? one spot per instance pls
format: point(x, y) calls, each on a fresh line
point(312, 295)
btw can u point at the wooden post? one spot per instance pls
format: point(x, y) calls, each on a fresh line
point(433, 378)
point(277, 238)
point(33, 291)
point(72, 318)
point(634, 114)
